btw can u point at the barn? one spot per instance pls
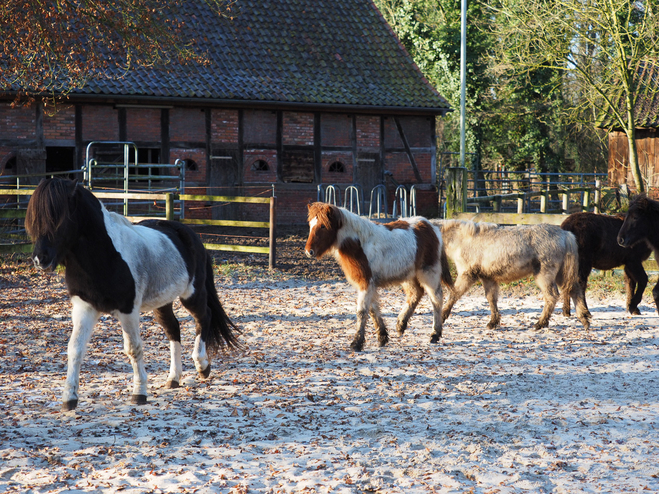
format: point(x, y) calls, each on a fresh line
point(295, 95)
point(647, 123)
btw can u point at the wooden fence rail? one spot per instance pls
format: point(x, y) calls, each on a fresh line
point(169, 198)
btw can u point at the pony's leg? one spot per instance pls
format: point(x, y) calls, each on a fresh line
point(413, 292)
point(198, 307)
point(636, 280)
point(433, 286)
point(492, 294)
point(166, 318)
point(462, 283)
point(383, 334)
point(547, 284)
point(130, 324)
point(579, 298)
point(364, 301)
point(84, 318)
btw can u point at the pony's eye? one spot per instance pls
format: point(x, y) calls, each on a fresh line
point(322, 227)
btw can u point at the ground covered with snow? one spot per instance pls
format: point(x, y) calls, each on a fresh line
point(485, 411)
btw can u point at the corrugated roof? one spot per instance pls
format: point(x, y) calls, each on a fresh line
point(646, 110)
point(338, 52)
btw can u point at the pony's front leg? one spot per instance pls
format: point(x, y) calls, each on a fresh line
point(383, 334)
point(364, 301)
point(130, 323)
point(550, 293)
point(84, 318)
point(492, 295)
point(463, 283)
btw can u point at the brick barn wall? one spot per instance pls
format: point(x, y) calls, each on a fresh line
point(251, 156)
point(329, 157)
point(298, 129)
point(18, 122)
point(143, 124)
point(187, 124)
point(224, 126)
point(99, 123)
point(61, 125)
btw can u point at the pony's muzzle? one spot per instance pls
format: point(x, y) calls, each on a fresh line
point(309, 253)
point(622, 241)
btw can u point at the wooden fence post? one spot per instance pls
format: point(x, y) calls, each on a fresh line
point(520, 203)
point(169, 206)
point(456, 190)
point(273, 232)
point(598, 196)
point(544, 199)
point(566, 203)
point(586, 201)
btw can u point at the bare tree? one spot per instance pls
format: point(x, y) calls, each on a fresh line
point(53, 46)
point(600, 45)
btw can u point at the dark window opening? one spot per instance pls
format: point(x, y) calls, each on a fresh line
point(337, 167)
point(11, 163)
point(191, 165)
point(61, 159)
point(297, 166)
point(260, 166)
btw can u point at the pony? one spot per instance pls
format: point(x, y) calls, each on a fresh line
point(641, 228)
point(405, 252)
point(497, 254)
point(113, 266)
point(598, 248)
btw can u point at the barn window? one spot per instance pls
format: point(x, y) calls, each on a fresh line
point(191, 165)
point(260, 166)
point(337, 167)
point(297, 166)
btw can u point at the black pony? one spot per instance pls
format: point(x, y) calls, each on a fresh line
point(115, 267)
point(641, 229)
point(598, 248)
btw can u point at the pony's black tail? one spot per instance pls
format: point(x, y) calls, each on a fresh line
point(221, 332)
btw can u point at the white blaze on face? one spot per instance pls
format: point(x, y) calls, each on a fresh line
point(313, 223)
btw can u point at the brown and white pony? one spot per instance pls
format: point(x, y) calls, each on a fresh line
point(494, 254)
point(406, 252)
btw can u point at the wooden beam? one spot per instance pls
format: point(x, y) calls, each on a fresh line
point(408, 150)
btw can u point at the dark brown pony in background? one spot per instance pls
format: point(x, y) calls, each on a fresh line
point(598, 248)
point(641, 227)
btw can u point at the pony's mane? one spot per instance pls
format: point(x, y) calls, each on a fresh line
point(323, 213)
point(472, 227)
point(644, 203)
point(48, 208)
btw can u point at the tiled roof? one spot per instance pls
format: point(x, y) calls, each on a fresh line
point(646, 110)
point(317, 52)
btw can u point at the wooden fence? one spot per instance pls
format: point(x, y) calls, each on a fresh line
point(169, 198)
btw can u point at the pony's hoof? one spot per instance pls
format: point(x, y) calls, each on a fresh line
point(435, 338)
point(138, 399)
point(635, 312)
point(400, 328)
point(492, 325)
point(566, 313)
point(383, 340)
point(206, 372)
point(357, 345)
point(172, 384)
point(67, 406)
point(540, 326)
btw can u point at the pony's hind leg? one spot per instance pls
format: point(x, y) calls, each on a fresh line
point(579, 298)
point(547, 285)
point(413, 292)
point(84, 318)
point(133, 347)
point(199, 309)
point(431, 281)
point(166, 318)
point(492, 295)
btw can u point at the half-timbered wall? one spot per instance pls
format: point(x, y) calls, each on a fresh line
point(648, 158)
point(233, 151)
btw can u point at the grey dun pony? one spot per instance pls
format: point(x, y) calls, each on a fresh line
point(497, 254)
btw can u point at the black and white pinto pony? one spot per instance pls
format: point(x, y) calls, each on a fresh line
point(406, 252)
point(115, 267)
point(641, 226)
point(497, 254)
